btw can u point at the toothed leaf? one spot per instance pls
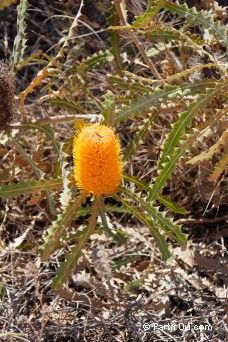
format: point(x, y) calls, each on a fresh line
point(96, 59)
point(132, 286)
point(165, 200)
point(139, 137)
point(115, 40)
point(127, 84)
point(69, 264)
point(151, 11)
point(158, 48)
point(42, 74)
point(212, 150)
point(27, 187)
point(59, 226)
point(159, 218)
point(117, 236)
point(204, 18)
point(64, 102)
point(219, 169)
point(109, 108)
point(21, 37)
point(179, 127)
point(62, 156)
point(158, 238)
point(160, 95)
point(169, 167)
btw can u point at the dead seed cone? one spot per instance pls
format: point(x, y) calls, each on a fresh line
point(7, 101)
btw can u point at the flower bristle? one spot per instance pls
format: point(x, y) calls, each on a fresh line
point(97, 160)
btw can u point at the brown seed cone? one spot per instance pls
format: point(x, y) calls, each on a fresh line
point(7, 101)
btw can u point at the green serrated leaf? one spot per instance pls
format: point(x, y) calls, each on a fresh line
point(62, 156)
point(109, 108)
point(65, 195)
point(33, 58)
point(42, 74)
point(97, 59)
point(64, 102)
point(140, 79)
point(152, 10)
point(126, 260)
point(183, 38)
point(59, 226)
point(212, 150)
point(158, 48)
point(204, 18)
point(91, 62)
point(160, 95)
point(219, 169)
point(179, 127)
point(27, 187)
point(138, 282)
point(169, 229)
point(159, 239)
point(169, 167)
point(179, 76)
point(163, 34)
point(128, 85)
point(115, 40)
point(139, 137)
point(124, 99)
point(71, 260)
point(117, 236)
point(170, 33)
point(39, 175)
point(165, 200)
point(21, 38)
point(140, 183)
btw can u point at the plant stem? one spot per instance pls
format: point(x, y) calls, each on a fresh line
point(134, 38)
point(65, 118)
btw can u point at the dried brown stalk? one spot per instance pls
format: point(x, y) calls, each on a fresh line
point(134, 38)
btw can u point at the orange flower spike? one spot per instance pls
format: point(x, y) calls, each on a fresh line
point(97, 160)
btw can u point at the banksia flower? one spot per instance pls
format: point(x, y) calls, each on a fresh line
point(97, 160)
point(7, 102)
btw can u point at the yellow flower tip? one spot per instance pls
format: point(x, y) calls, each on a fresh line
point(97, 160)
